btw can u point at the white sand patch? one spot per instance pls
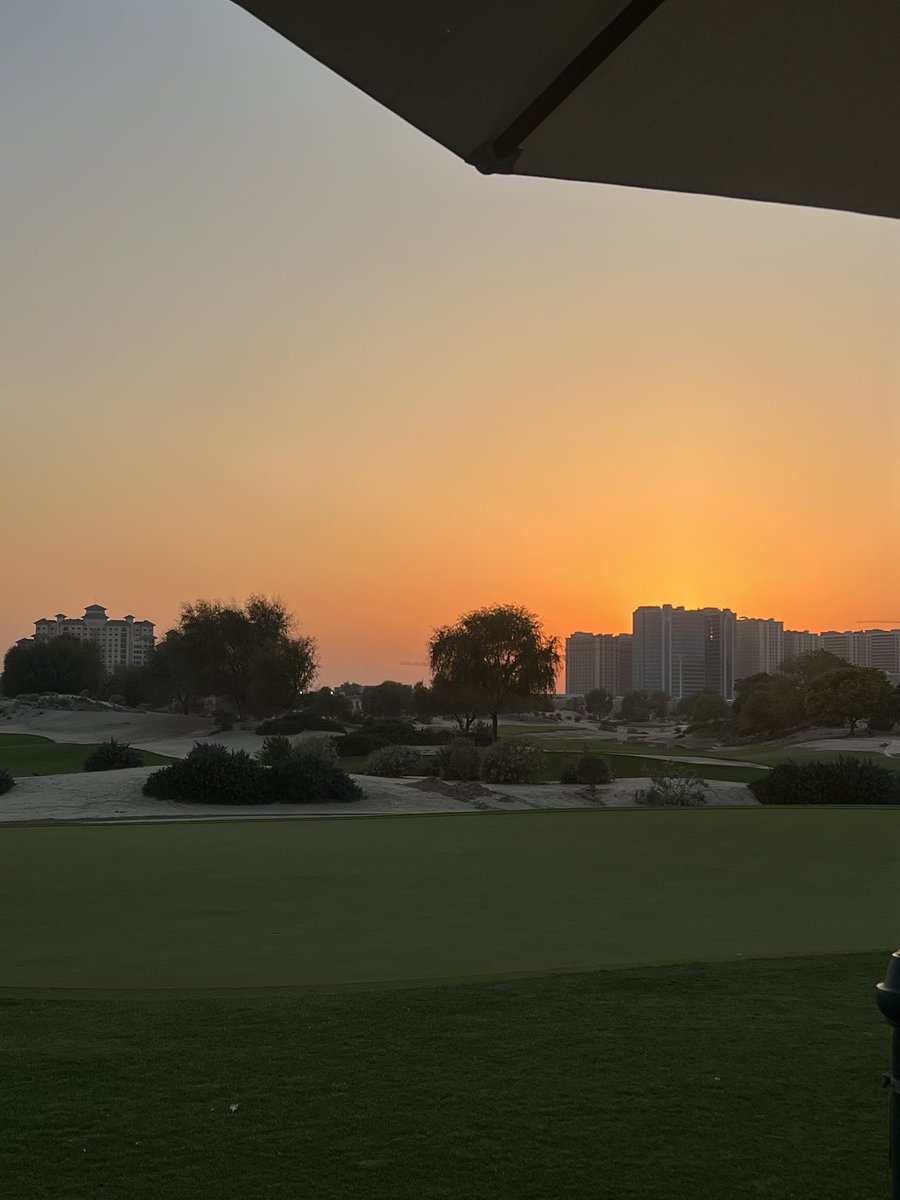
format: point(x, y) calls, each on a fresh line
point(116, 796)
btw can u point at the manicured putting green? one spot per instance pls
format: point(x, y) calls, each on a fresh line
point(272, 903)
point(25, 754)
point(711, 1081)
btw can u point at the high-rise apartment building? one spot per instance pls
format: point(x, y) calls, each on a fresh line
point(122, 643)
point(759, 646)
point(884, 652)
point(798, 642)
point(598, 660)
point(581, 666)
point(683, 651)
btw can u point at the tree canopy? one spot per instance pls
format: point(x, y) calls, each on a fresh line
point(247, 653)
point(59, 664)
point(847, 696)
point(501, 652)
point(599, 702)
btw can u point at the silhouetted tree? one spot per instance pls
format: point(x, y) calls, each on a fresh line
point(847, 696)
point(767, 705)
point(387, 699)
point(60, 664)
point(599, 702)
point(500, 652)
point(247, 653)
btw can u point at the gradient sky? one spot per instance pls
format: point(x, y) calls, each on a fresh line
point(259, 335)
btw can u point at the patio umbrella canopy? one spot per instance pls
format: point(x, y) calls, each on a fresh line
point(796, 101)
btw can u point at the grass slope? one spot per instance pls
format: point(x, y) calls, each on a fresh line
point(246, 904)
point(752, 1081)
point(24, 754)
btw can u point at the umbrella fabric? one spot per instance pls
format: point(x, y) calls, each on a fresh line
point(796, 101)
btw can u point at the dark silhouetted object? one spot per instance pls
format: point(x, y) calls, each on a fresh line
point(888, 997)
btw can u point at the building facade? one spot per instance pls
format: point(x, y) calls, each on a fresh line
point(798, 642)
point(122, 643)
point(683, 651)
point(598, 660)
point(759, 646)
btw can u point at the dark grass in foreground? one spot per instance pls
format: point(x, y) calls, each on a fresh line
point(25, 754)
point(283, 903)
point(751, 1081)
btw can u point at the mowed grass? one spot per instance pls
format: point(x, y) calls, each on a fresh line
point(752, 1078)
point(25, 754)
point(349, 900)
point(752, 1081)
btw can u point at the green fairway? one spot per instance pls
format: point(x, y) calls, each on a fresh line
point(23, 754)
point(272, 903)
point(745, 1081)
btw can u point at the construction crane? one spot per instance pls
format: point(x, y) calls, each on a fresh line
point(406, 662)
point(878, 621)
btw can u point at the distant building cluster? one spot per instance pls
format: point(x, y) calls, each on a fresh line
point(683, 651)
point(122, 643)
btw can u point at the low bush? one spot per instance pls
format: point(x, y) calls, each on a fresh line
point(458, 760)
point(6, 782)
point(307, 779)
point(113, 756)
point(587, 769)
point(352, 745)
point(848, 780)
point(404, 733)
point(513, 761)
point(320, 748)
point(299, 722)
point(274, 749)
point(392, 762)
point(480, 733)
point(118, 701)
point(210, 774)
point(673, 786)
point(224, 720)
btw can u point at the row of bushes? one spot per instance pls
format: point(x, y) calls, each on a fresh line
point(298, 722)
point(513, 761)
point(848, 780)
point(372, 734)
point(211, 774)
point(6, 782)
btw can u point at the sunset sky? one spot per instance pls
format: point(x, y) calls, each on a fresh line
point(258, 335)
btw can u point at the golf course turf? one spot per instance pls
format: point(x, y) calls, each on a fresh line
point(25, 754)
point(423, 1006)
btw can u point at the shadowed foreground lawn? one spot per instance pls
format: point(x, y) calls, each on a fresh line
point(25, 754)
point(349, 900)
point(751, 1081)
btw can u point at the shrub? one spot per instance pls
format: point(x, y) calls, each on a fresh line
point(210, 774)
point(351, 745)
point(116, 700)
point(322, 749)
point(673, 786)
point(224, 720)
point(481, 734)
point(113, 756)
point(569, 771)
point(588, 769)
point(6, 782)
point(515, 761)
point(274, 749)
point(392, 762)
point(458, 760)
point(848, 780)
point(299, 722)
point(400, 733)
point(309, 780)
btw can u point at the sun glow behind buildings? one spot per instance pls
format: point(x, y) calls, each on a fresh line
point(266, 338)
